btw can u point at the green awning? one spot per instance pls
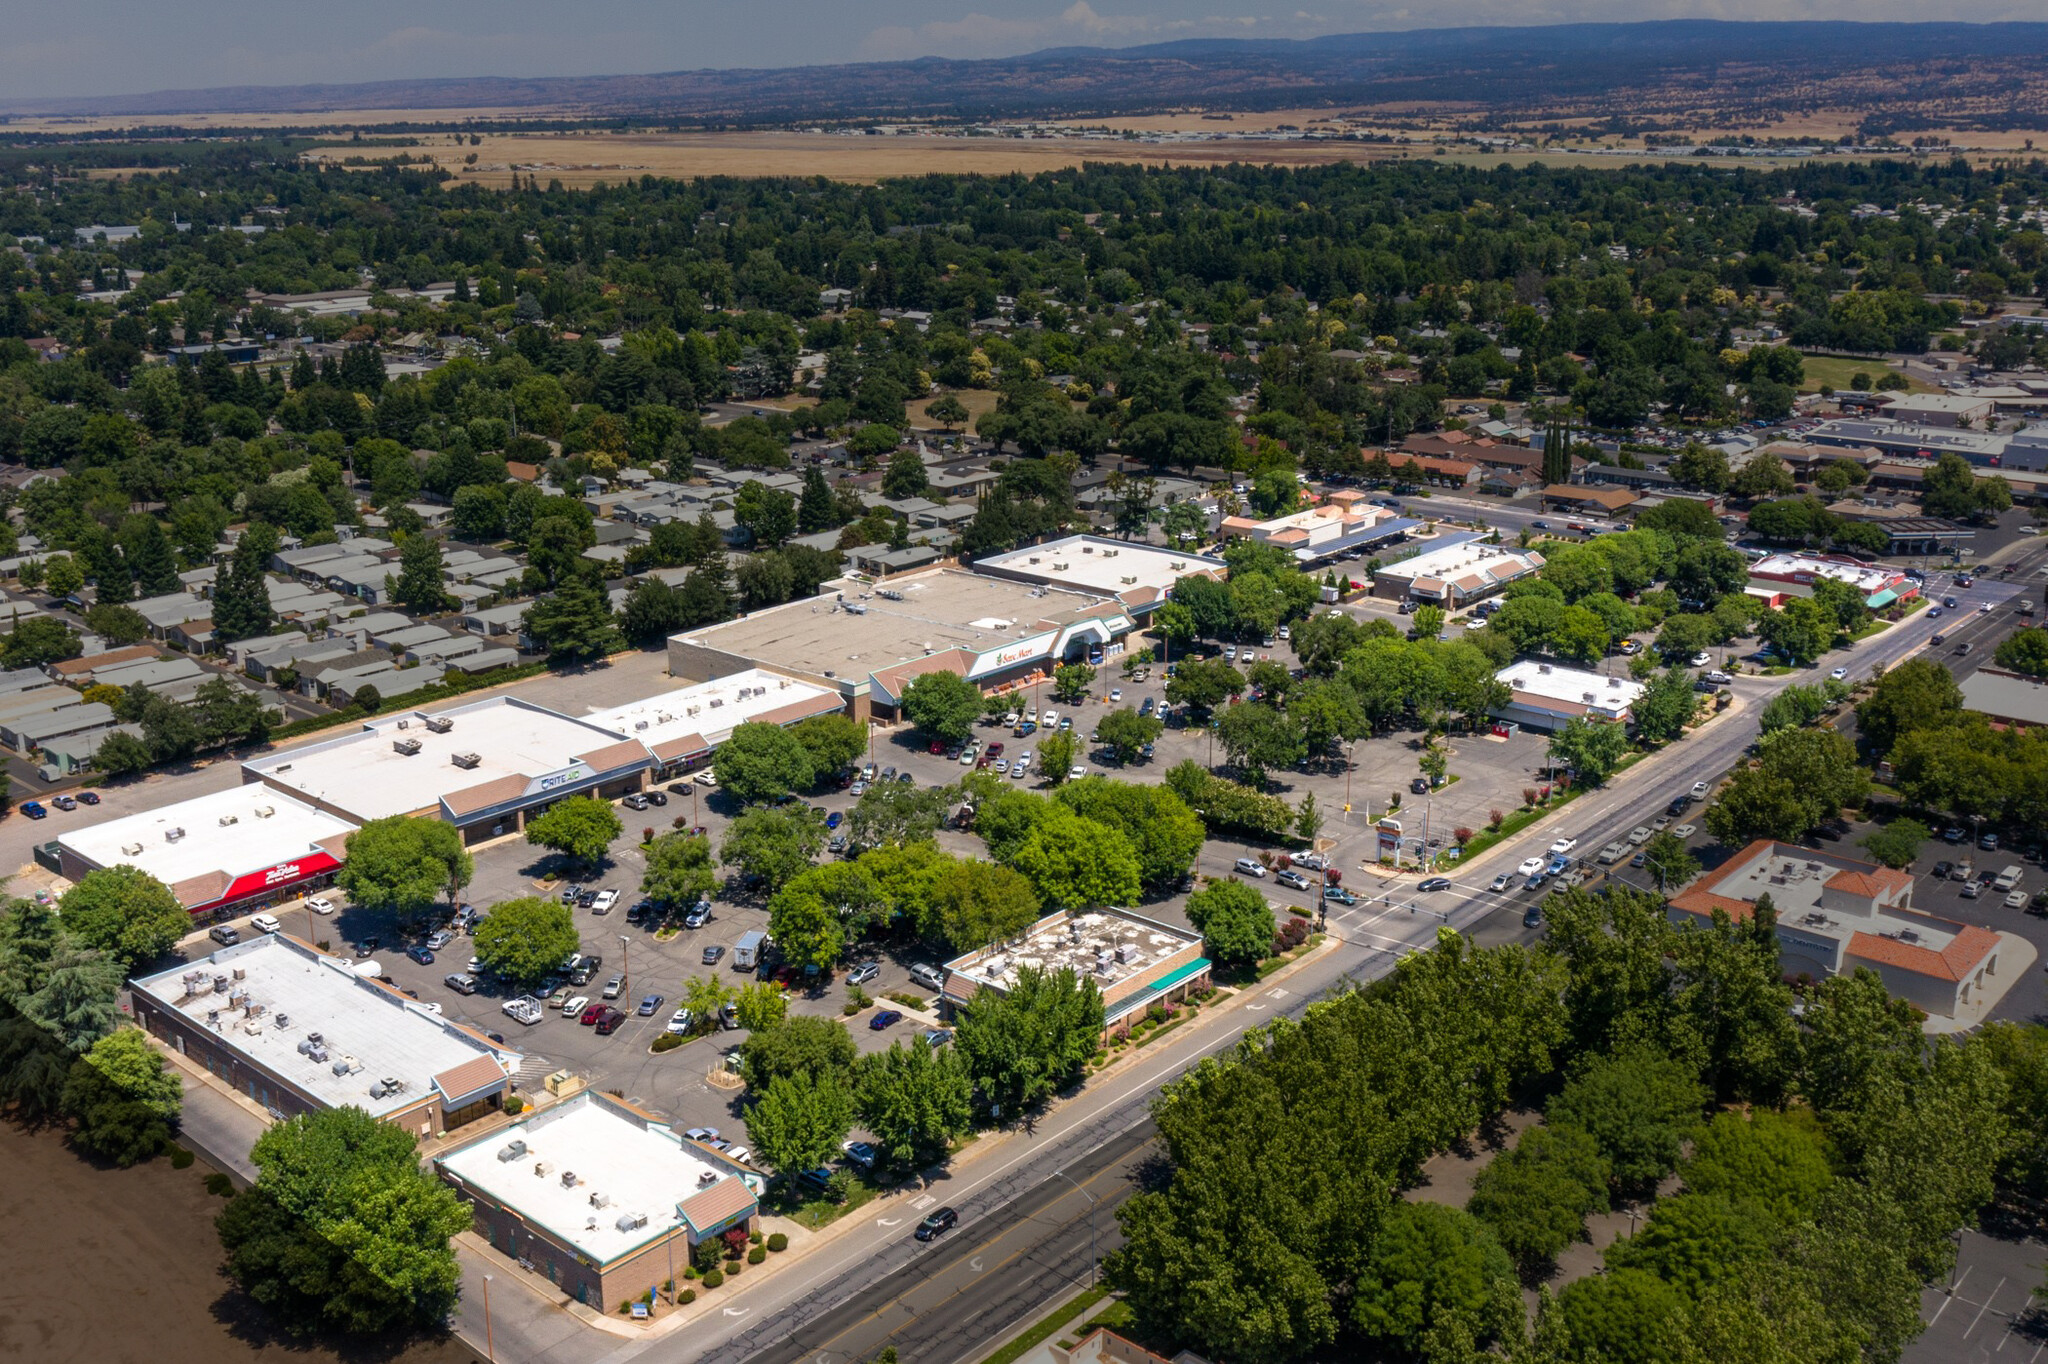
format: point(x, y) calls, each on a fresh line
point(1173, 978)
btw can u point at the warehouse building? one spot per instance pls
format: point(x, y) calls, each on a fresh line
point(300, 1032)
point(602, 1199)
point(224, 854)
point(1134, 961)
point(486, 767)
point(867, 642)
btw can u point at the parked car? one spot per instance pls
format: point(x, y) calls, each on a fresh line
point(887, 1018)
point(34, 809)
point(863, 973)
point(614, 986)
point(461, 982)
point(604, 901)
point(320, 904)
point(439, 939)
point(225, 934)
point(699, 915)
point(65, 802)
point(1249, 866)
point(590, 1013)
point(608, 1022)
point(861, 1154)
point(707, 1135)
point(420, 953)
point(648, 1004)
point(930, 977)
point(713, 953)
point(263, 923)
point(88, 798)
point(636, 801)
point(365, 946)
point(679, 1022)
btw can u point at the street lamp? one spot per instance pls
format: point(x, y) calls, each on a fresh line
point(1349, 768)
point(626, 960)
point(1093, 1262)
point(490, 1345)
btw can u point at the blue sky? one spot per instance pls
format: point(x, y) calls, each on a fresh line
point(87, 47)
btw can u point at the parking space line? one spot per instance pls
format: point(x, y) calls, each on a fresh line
point(1985, 1307)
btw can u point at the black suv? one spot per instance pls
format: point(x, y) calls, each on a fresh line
point(940, 1220)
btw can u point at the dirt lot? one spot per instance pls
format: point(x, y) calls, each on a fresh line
point(133, 1274)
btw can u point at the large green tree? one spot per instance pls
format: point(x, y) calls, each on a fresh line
point(975, 904)
point(943, 704)
point(801, 1044)
point(1639, 1105)
point(773, 844)
point(1235, 922)
point(1536, 1197)
point(761, 762)
point(1076, 863)
point(679, 870)
point(581, 828)
point(1024, 1044)
point(526, 939)
point(1428, 1261)
point(123, 1098)
point(126, 913)
point(798, 1121)
point(916, 1100)
point(401, 865)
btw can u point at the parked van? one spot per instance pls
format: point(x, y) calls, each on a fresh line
point(746, 953)
point(2008, 879)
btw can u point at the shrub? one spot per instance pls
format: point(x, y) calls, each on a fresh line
point(713, 1278)
point(756, 1255)
point(668, 1041)
point(219, 1185)
point(514, 1104)
point(755, 1238)
point(181, 1159)
point(687, 1295)
point(1462, 834)
point(1494, 819)
point(647, 833)
point(732, 1266)
point(678, 822)
point(1528, 795)
point(778, 1242)
point(705, 1255)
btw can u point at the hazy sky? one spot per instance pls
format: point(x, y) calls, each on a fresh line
point(87, 47)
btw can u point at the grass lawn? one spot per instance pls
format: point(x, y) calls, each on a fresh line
point(977, 401)
point(1836, 371)
point(1044, 1328)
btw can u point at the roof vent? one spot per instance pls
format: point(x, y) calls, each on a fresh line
point(631, 1221)
point(172, 835)
point(440, 724)
point(226, 820)
point(131, 849)
point(465, 760)
point(265, 811)
point(406, 746)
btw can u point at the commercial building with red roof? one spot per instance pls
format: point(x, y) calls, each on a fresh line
point(1836, 914)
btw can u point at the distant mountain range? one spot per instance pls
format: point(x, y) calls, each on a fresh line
point(1975, 71)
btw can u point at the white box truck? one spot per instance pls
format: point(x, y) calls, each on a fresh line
point(746, 953)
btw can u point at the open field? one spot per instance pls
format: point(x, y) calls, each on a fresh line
point(126, 1269)
point(1836, 371)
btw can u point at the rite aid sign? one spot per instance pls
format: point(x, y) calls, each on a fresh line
point(283, 874)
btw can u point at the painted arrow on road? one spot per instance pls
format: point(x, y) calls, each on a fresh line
point(888, 1221)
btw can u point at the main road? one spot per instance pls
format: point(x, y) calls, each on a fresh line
point(1037, 1205)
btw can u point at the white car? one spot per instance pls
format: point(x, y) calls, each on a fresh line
point(1076, 772)
point(1051, 718)
point(263, 923)
point(1116, 693)
point(1563, 846)
point(432, 1006)
point(679, 1021)
point(1701, 660)
point(1985, 609)
point(575, 1004)
point(1010, 720)
point(740, 1153)
point(1839, 673)
point(1246, 866)
point(1699, 790)
point(1529, 866)
point(605, 900)
point(706, 778)
point(1017, 768)
point(968, 756)
point(320, 904)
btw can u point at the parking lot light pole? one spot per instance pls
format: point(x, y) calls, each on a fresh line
point(626, 961)
point(490, 1345)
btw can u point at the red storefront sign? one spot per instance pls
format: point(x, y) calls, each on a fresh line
point(274, 878)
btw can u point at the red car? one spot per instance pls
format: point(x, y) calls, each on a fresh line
point(609, 1020)
point(593, 1012)
point(937, 747)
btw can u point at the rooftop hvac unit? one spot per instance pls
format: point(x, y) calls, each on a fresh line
point(1542, 667)
point(889, 594)
point(569, 1179)
point(1177, 564)
point(1128, 581)
point(1613, 681)
point(406, 746)
point(265, 811)
point(716, 702)
point(600, 1199)
point(639, 725)
point(543, 1168)
point(131, 849)
point(465, 760)
point(226, 820)
point(1588, 696)
point(172, 835)
point(440, 724)
point(856, 608)
point(405, 724)
point(511, 1151)
point(631, 1221)
point(1087, 549)
point(1061, 568)
point(1034, 558)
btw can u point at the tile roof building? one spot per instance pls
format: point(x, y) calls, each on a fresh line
point(1455, 574)
point(1337, 527)
point(1835, 914)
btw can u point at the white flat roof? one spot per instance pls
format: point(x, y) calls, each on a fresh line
point(1555, 683)
point(1868, 577)
point(624, 1166)
point(364, 774)
point(369, 1030)
point(1097, 564)
point(710, 711)
point(240, 830)
point(1469, 556)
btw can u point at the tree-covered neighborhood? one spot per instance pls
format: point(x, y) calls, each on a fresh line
point(1397, 760)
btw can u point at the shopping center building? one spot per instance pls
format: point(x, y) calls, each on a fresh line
point(1134, 961)
point(224, 854)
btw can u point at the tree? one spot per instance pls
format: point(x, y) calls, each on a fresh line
point(241, 593)
point(526, 939)
point(835, 742)
point(1629, 1316)
point(1897, 843)
point(977, 904)
point(653, 611)
point(1024, 1044)
point(1638, 1104)
point(1668, 704)
point(172, 731)
point(2025, 651)
point(943, 704)
point(418, 587)
point(801, 1044)
point(343, 1230)
point(947, 410)
point(763, 762)
point(760, 1005)
point(1701, 468)
point(400, 865)
point(1259, 738)
point(1755, 804)
point(1918, 694)
point(1782, 1161)
point(581, 828)
point(123, 1099)
point(916, 1100)
point(767, 514)
point(1076, 863)
point(905, 476)
point(773, 844)
point(1801, 632)
point(890, 814)
point(126, 913)
point(679, 870)
point(1592, 748)
point(574, 623)
point(38, 642)
point(63, 576)
point(705, 998)
point(1056, 754)
point(1952, 489)
point(117, 624)
point(1164, 832)
point(1070, 682)
point(1127, 732)
point(478, 513)
point(1428, 1261)
point(1203, 683)
point(1821, 764)
point(1426, 623)
point(121, 754)
point(798, 1121)
point(1536, 1198)
point(1669, 862)
point(1235, 922)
